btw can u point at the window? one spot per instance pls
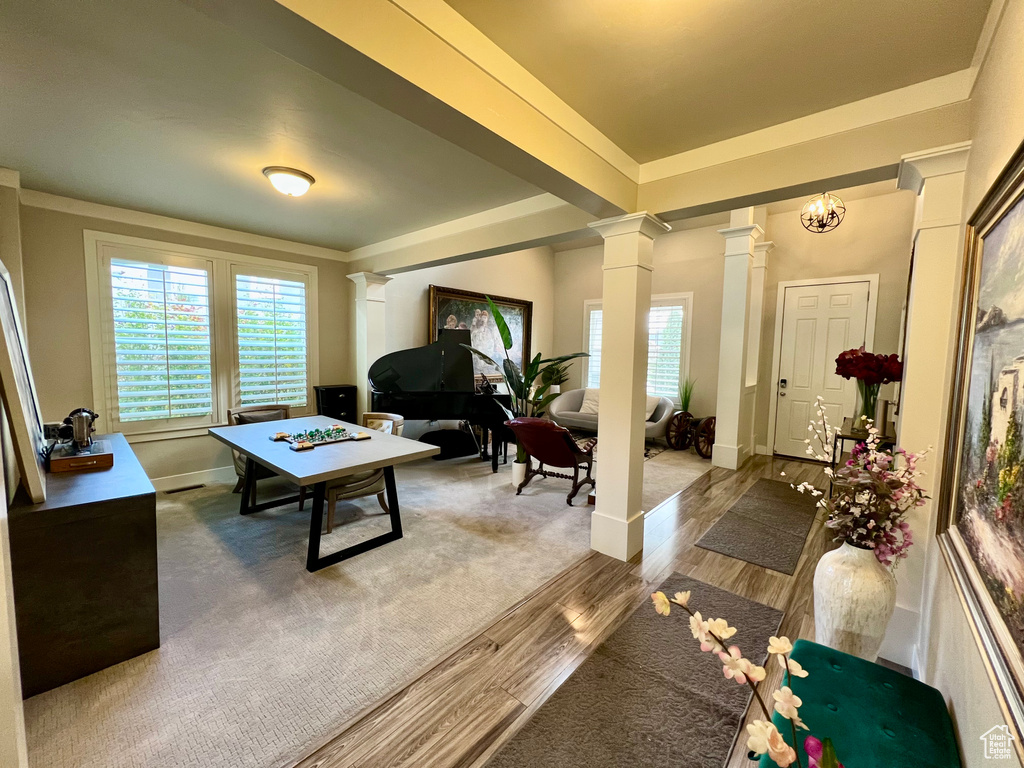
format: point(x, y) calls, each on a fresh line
point(667, 343)
point(270, 314)
point(181, 334)
point(161, 330)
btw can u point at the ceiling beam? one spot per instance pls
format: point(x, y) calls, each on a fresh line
point(382, 52)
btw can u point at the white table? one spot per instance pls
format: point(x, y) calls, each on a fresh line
point(316, 467)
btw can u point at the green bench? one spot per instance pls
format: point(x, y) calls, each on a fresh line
point(875, 716)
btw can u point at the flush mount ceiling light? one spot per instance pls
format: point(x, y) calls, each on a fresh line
point(289, 181)
point(822, 213)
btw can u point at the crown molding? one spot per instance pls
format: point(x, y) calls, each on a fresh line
point(33, 199)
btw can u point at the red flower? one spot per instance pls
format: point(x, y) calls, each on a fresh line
point(869, 367)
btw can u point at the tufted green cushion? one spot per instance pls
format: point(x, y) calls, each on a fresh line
point(875, 716)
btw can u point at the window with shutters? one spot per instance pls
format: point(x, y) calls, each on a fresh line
point(668, 327)
point(270, 316)
point(181, 334)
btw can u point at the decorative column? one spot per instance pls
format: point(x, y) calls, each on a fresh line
point(617, 524)
point(731, 449)
point(937, 177)
point(370, 339)
point(758, 270)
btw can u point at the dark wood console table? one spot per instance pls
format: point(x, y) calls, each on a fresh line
point(85, 572)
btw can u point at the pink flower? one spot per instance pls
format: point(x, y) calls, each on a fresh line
point(734, 666)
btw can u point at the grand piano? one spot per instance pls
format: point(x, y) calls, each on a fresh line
point(436, 382)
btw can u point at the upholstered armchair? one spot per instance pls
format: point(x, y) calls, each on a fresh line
point(565, 411)
point(253, 414)
point(553, 446)
point(370, 483)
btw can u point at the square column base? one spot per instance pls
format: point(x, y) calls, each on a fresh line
point(726, 456)
point(616, 537)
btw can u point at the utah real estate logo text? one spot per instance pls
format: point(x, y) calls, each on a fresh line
point(998, 744)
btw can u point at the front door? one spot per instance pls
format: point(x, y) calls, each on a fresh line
point(818, 322)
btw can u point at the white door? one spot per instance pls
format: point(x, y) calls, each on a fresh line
point(818, 322)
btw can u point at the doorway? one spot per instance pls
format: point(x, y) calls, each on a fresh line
point(815, 321)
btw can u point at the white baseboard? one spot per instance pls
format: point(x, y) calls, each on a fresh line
point(216, 475)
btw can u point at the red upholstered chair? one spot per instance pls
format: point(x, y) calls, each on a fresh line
point(553, 446)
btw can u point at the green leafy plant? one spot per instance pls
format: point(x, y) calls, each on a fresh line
point(529, 397)
point(555, 374)
point(686, 394)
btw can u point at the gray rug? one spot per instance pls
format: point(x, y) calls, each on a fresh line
point(648, 696)
point(767, 526)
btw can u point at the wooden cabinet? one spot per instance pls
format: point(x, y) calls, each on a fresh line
point(85, 572)
point(337, 401)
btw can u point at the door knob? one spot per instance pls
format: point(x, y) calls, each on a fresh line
point(782, 394)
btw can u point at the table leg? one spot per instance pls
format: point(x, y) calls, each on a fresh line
point(248, 485)
point(314, 562)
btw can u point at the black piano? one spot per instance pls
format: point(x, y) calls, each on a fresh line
point(436, 382)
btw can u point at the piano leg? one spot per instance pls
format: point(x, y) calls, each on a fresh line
point(495, 449)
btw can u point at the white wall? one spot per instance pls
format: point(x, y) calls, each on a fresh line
point(948, 654)
point(685, 260)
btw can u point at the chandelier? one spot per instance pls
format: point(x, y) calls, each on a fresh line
point(822, 213)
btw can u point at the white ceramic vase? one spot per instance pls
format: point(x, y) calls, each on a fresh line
point(518, 473)
point(854, 597)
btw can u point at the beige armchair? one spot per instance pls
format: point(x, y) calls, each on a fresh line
point(254, 414)
point(362, 484)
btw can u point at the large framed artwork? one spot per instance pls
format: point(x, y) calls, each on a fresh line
point(452, 308)
point(19, 394)
point(981, 501)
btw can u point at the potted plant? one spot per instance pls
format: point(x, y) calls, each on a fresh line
point(555, 375)
point(854, 585)
point(529, 391)
point(871, 371)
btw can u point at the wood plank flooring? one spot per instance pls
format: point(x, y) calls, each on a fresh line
point(459, 712)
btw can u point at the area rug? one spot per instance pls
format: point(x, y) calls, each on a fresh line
point(648, 696)
point(261, 661)
point(767, 526)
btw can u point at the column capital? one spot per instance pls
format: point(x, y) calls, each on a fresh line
point(369, 278)
point(643, 223)
point(748, 230)
point(10, 178)
point(916, 167)
point(761, 251)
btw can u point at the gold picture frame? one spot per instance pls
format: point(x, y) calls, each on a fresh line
point(980, 526)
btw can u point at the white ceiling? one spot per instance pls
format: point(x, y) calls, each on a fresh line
point(155, 107)
point(659, 77)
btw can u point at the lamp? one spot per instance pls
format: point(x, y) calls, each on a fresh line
point(823, 213)
point(289, 181)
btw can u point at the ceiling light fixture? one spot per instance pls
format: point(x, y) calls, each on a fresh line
point(289, 181)
point(823, 213)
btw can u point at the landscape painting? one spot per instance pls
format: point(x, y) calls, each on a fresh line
point(467, 310)
point(981, 504)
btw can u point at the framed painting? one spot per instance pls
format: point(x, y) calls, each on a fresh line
point(981, 500)
point(19, 395)
point(452, 308)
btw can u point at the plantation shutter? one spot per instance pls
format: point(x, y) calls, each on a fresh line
point(270, 315)
point(161, 333)
point(594, 348)
point(665, 345)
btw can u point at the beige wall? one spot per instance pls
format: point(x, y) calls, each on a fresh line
point(686, 260)
point(949, 656)
point(53, 257)
point(875, 238)
point(527, 275)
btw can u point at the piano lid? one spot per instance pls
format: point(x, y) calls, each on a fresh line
point(443, 366)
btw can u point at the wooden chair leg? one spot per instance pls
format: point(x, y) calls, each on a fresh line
point(575, 485)
point(382, 500)
point(238, 485)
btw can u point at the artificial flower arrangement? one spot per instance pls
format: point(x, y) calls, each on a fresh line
point(763, 737)
point(874, 491)
point(871, 371)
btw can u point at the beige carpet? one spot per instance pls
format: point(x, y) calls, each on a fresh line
point(262, 661)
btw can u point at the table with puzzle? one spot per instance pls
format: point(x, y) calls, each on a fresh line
point(311, 451)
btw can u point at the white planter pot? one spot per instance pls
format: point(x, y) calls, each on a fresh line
point(555, 389)
point(518, 473)
point(854, 597)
